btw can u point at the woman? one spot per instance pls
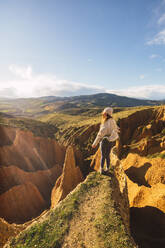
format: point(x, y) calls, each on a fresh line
point(107, 134)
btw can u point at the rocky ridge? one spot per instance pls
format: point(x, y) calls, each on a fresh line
point(69, 179)
point(29, 166)
point(141, 149)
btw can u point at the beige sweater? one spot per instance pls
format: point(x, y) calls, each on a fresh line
point(109, 129)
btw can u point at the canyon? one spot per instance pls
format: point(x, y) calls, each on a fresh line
point(29, 168)
point(46, 172)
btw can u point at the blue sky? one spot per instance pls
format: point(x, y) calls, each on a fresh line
point(73, 47)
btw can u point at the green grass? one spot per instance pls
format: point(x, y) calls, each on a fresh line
point(72, 128)
point(38, 128)
point(156, 155)
point(109, 224)
point(50, 232)
point(65, 120)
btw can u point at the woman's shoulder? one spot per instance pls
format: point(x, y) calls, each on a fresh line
point(111, 120)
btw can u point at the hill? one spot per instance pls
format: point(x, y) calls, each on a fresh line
point(88, 217)
point(87, 104)
point(141, 150)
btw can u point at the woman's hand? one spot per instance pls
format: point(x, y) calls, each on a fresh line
point(93, 146)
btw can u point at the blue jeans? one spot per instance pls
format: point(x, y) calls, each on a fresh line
point(105, 147)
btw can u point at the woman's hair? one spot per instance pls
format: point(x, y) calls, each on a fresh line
point(105, 117)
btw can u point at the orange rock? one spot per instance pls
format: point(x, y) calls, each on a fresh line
point(144, 171)
point(131, 123)
point(6, 231)
point(141, 127)
point(136, 167)
point(95, 163)
point(29, 152)
point(44, 180)
point(70, 178)
point(27, 160)
point(156, 173)
point(146, 181)
point(21, 203)
point(144, 196)
point(7, 135)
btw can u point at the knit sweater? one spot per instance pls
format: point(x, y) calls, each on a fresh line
point(109, 129)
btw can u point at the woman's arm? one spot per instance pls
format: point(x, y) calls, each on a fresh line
point(115, 130)
point(102, 132)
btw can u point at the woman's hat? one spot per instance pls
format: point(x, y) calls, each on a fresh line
point(108, 111)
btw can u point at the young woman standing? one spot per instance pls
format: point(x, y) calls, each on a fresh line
point(107, 134)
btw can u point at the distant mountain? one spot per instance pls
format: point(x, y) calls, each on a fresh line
point(31, 107)
point(99, 100)
point(105, 99)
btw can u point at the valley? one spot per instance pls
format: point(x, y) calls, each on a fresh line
point(45, 158)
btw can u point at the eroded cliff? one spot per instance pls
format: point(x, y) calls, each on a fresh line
point(29, 168)
point(70, 178)
point(140, 188)
point(90, 216)
point(142, 151)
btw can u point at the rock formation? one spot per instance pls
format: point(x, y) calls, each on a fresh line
point(30, 153)
point(141, 148)
point(142, 132)
point(88, 217)
point(7, 230)
point(29, 168)
point(143, 161)
point(71, 176)
point(43, 179)
point(21, 203)
point(121, 192)
point(146, 181)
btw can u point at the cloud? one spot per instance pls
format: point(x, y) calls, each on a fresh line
point(155, 92)
point(29, 84)
point(8, 92)
point(153, 56)
point(159, 39)
point(161, 20)
point(23, 72)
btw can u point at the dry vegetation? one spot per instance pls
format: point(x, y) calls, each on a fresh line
point(92, 203)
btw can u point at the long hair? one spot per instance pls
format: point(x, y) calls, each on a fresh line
point(105, 118)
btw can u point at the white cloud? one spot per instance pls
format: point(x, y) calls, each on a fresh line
point(28, 84)
point(155, 92)
point(8, 92)
point(153, 56)
point(161, 20)
point(159, 39)
point(23, 72)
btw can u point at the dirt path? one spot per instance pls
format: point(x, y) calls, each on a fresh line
point(82, 232)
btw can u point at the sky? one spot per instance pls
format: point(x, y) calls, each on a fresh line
point(79, 47)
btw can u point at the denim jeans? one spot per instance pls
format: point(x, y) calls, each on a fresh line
point(105, 147)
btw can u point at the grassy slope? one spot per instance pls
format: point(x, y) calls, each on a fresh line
point(105, 224)
point(33, 107)
point(37, 127)
point(75, 125)
point(64, 120)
